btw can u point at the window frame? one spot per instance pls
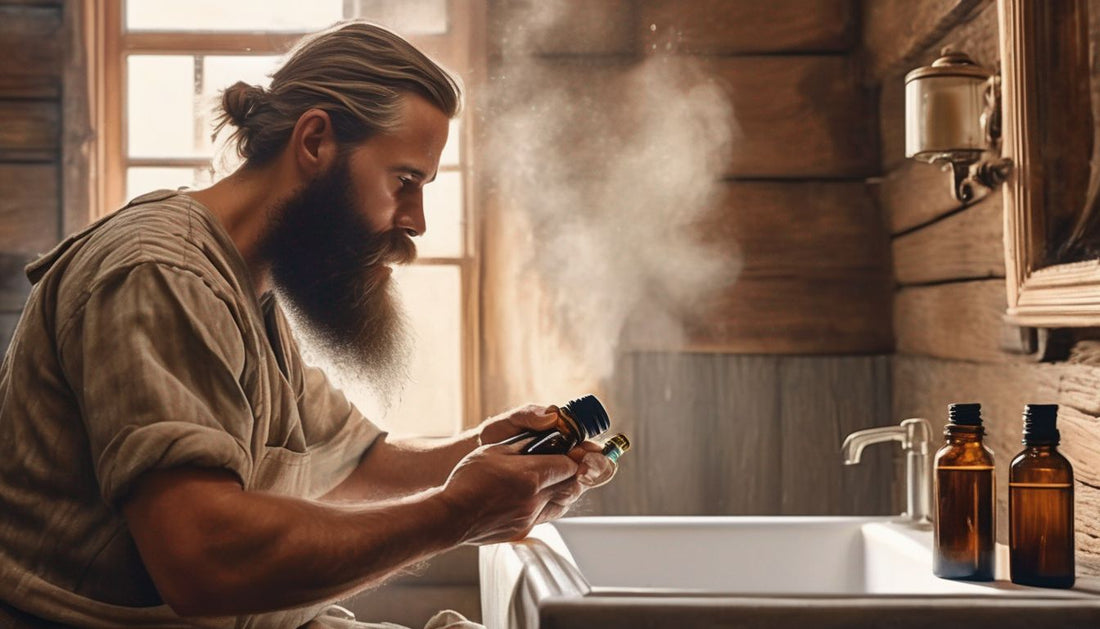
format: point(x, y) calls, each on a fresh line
point(110, 45)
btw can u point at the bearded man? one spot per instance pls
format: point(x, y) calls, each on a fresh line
point(170, 460)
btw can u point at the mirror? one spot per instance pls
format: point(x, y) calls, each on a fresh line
point(1052, 209)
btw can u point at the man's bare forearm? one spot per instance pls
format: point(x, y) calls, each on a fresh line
point(397, 467)
point(286, 552)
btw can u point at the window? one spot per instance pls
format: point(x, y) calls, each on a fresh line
point(158, 73)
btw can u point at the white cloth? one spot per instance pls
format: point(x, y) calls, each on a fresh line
point(336, 617)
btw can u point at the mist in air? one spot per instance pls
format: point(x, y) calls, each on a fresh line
point(605, 167)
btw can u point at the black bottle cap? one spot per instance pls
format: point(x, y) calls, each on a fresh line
point(1041, 424)
point(965, 414)
point(589, 414)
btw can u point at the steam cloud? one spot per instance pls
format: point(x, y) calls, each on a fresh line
point(611, 164)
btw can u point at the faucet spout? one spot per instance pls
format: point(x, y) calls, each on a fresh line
point(914, 435)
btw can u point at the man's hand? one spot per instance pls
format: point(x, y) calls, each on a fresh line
point(498, 494)
point(595, 469)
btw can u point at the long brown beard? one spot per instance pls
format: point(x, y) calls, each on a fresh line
point(330, 269)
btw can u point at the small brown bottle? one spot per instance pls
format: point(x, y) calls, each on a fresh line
point(580, 419)
point(1040, 505)
point(964, 527)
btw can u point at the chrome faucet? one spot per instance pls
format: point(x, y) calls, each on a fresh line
point(914, 435)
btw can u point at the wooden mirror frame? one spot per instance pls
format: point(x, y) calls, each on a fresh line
point(1045, 41)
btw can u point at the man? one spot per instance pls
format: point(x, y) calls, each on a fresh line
point(170, 459)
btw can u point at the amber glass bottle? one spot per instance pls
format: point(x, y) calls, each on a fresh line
point(580, 419)
point(964, 528)
point(1040, 505)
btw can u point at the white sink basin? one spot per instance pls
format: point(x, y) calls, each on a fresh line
point(699, 564)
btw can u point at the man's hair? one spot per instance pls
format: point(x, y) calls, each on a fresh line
point(355, 71)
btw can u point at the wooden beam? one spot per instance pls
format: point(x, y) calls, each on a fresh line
point(797, 117)
point(821, 401)
point(730, 27)
point(29, 130)
point(29, 208)
point(913, 194)
point(967, 245)
point(959, 321)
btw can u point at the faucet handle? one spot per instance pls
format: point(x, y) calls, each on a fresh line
point(918, 434)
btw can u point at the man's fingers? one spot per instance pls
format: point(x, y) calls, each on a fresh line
point(595, 469)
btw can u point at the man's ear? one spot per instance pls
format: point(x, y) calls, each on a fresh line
point(313, 142)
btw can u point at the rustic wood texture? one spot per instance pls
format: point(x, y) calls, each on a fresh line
point(966, 245)
point(795, 116)
point(730, 27)
point(976, 37)
point(798, 116)
point(78, 139)
point(821, 286)
point(822, 401)
point(915, 194)
point(29, 130)
point(30, 46)
point(29, 207)
point(896, 32)
point(961, 321)
point(744, 435)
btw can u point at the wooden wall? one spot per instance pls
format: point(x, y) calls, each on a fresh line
point(952, 345)
point(748, 415)
point(32, 54)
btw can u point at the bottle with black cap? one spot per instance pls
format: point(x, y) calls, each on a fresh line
point(964, 499)
point(580, 419)
point(1040, 505)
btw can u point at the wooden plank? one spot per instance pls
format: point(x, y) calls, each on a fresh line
point(915, 193)
point(817, 228)
point(797, 116)
point(896, 31)
point(796, 315)
point(674, 399)
point(822, 401)
point(565, 27)
point(30, 45)
point(29, 87)
point(977, 37)
point(823, 287)
point(793, 116)
point(29, 207)
point(78, 146)
point(967, 245)
point(728, 27)
point(744, 447)
point(960, 321)
point(29, 130)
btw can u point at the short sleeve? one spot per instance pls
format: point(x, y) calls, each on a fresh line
point(337, 434)
point(155, 358)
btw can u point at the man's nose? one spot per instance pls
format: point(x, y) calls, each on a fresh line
point(411, 217)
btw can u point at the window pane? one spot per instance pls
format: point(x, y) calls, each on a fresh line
point(443, 214)
point(432, 402)
point(450, 154)
point(161, 106)
point(408, 17)
point(234, 15)
point(218, 73)
point(140, 180)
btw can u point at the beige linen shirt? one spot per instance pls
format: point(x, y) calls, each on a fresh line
point(142, 346)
